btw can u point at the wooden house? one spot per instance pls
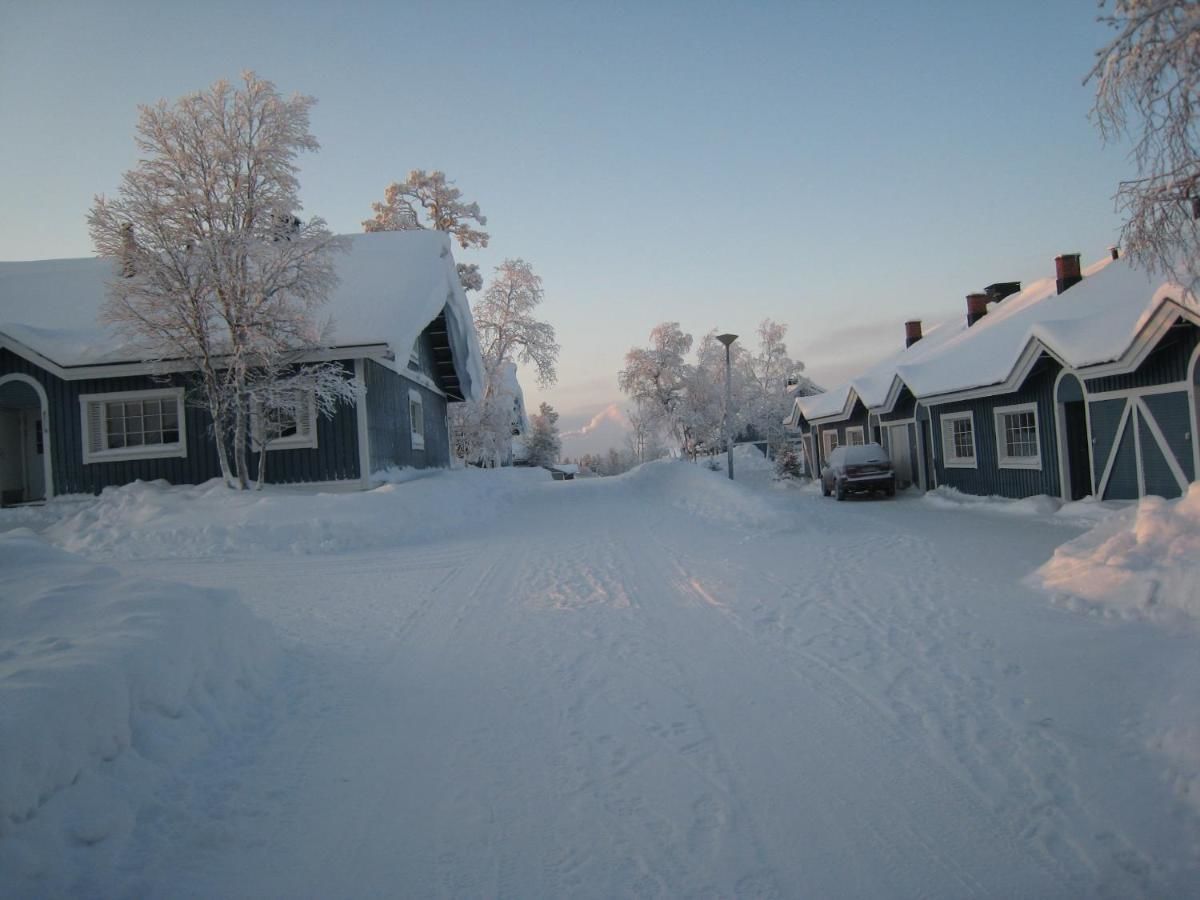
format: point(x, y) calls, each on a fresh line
point(80, 409)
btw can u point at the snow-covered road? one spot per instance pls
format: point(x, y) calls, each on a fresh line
point(603, 694)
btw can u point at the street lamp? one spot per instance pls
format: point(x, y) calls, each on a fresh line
point(728, 339)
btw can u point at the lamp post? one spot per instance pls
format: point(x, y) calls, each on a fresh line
point(728, 339)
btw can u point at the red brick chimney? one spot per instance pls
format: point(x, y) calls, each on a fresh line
point(1066, 268)
point(912, 332)
point(976, 308)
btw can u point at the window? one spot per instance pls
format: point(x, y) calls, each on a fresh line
point(416, 420)
point(854, 437)
point(286, 429)
point(1017, 445)
point(829, 440)
point(958, 440)
point(133, 425)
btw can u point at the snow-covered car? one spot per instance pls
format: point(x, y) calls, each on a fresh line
point(861, 468)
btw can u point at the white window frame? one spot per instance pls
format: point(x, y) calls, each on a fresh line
point(949, 458)
point(305, 437)
point(1004, 461)
point(176, 449)
point(826, 444)
point(417, 437)
point(862, 436)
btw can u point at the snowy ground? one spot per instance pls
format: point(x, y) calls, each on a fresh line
point(657, 685)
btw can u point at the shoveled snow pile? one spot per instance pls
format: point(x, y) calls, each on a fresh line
point(107, 682)
point(1142, 562)
point(1075, 513)
point(702, 492)
point(153, 520)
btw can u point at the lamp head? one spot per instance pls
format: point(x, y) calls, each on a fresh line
point(727, 339)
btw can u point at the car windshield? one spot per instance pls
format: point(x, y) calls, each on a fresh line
point(863, 454)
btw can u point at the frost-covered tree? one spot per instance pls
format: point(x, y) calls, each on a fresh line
point(655, 377)
point(429, 200)
point(1148, 88)
point(766, 376)
point(507, 324)
point(787, 463)
point(544, 444)
point(645, 438)
point(509, 333)
point(217, 270)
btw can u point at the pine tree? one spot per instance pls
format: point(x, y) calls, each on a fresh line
point(544, 443)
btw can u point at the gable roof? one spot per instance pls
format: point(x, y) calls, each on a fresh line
point(391, 286)
point(1096, 321)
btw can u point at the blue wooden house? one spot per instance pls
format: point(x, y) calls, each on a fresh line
point(80, 411)
point(1084, 384)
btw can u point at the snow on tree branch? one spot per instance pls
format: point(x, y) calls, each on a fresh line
point(216, 268)
point(1148, 88)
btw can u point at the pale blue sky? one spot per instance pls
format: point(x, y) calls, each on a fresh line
point(837, 166)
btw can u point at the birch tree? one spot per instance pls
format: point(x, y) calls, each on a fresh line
point(216, 271)
point(1148, 88)
point(429, 200)
point(510, 332)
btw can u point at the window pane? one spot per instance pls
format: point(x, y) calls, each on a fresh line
point(115, 441)
point(152, 423)
point(133, 440)
point(963, 444)
point(154, 437)
point(116, 426)
point(170, 416)
point(170, 436)
point(1020, 435)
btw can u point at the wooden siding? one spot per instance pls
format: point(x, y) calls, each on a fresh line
point(1105, 419)
point(1173, 414)
point(905, 407)
point(1156, 474)
point(388, 427)
point(1122, 479)
point(335, 458)
point(988, 477)
point(858, 418)
point(1167, 363)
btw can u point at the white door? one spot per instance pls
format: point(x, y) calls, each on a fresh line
point(901, 458)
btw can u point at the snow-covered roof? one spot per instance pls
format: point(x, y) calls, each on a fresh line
point(391, 285)
point(1094, 322)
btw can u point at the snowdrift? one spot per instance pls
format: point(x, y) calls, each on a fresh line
point(153, 520)
point(702, 492)
point(1142, 562)
point(107, 681)
point(1078, 512)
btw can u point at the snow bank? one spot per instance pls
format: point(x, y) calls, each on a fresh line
point(1142, 562)
point(1078, 512)
point(952, 498)
point(107, 681)
point(153, 520)
point(701, 492)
